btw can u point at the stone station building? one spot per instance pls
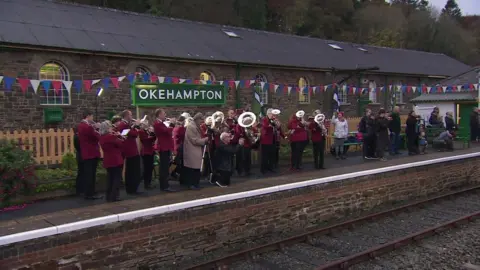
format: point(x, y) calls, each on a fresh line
point(45, 40)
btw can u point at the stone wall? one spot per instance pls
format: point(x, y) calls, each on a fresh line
point(23, 111)
point(175, 237)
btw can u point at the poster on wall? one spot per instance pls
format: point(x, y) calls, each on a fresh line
point(163, 94)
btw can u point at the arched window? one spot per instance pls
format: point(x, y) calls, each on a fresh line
point(261, 79)
point(304, 94)
point(53, 71)
point(372, 91)
point(141, 71)
point(207, 76)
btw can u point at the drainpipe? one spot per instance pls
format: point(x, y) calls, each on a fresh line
point(237, 93)
point(359, 83)
point(386, 94)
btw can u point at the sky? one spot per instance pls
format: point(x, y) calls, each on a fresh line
point(468, 7)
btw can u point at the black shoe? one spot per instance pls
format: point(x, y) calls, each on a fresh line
point(139, 193)
point(168, 190)
point(150, 187)
point(95, 197)
point(194, 188)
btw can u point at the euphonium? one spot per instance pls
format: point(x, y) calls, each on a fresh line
point(247, 120)
point(218, 119)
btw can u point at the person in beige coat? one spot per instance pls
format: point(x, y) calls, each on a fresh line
point(193, 151)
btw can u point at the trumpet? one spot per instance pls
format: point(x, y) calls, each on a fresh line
point(247, 120)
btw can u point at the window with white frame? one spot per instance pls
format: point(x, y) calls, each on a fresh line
point(304, 94)
point(140, 71)
point(342, 94)
point(260, 81)
point(372, 91)
point(207, 76)
point(53, 71)
point(398, 93)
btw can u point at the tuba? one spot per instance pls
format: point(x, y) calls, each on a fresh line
point(319, 118)
point(300, 114)
point(247, 120)
point(218, 119)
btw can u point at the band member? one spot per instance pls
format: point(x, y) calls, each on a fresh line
point(244, 155)
point(90, 151)
point(164, 146)
point(130, 152)
point(223, 159)
point(298, 140)
point(178, 139)
point(111, 143)
point(147, 138)
point(193, 151)
point(79, 188)
point(279, 134)
point(231, 120)
point(319, 135)
point(268, 139)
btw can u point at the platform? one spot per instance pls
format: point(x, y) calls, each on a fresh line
point(67, 210)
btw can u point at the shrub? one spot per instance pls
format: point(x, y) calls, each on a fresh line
point(17, 167)
point(69, 162)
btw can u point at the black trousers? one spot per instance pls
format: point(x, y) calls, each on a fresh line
point(412, 144)
point(90, 176)
point(132, 174)
point(318, 153)
point(268, 152)
point(147, 170)
point(191, 176)
point(368, 147)
point(276, 155)
point(113, 185)
point(163, 169)
point(474, 133)
point(209, 158)
point(80, 180)
point(244, 160)
point(296, 155)
point(223, 177)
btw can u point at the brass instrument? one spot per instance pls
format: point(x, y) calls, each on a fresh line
point(276, 112)
point(300, 114)
point(119, 136)
point(218, 119)
point(319, 118)
point(247, 120)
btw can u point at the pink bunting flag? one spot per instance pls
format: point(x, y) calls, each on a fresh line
point(88, 85)
point(115, 82)
point(23, 84)
point(154, 78)
point(57, 86)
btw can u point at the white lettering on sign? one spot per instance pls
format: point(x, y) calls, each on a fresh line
point(187, 94)
point(143, 93)
point(171, 94)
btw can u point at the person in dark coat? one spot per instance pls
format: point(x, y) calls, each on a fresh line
point(79, 188)
point(112, 147)
point(474, 125)
point(449, 122)
point(435, 119)
point(367, 127)
point(412, 133)
point(382, 134)
point(395, 127)
point(223, 158)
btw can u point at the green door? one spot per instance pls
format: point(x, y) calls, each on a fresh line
point(463, 116)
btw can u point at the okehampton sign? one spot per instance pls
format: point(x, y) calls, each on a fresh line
point(162, 94)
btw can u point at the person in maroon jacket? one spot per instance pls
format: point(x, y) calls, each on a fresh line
point(178, 138)
point(130, 152)
point(90, 152)
point(268, 140)
point(163, 132)
point(244, 155)
point(147, 138)
point(112, 144)
point(318, 134)
point(298, 140)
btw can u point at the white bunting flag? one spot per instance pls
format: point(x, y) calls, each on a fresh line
point(289, 90)
point(68, 85)
point(35, 84)
point(237, 83)
point(276, 87)
point(161, 79)
point(475, 86)
point(459, 88)
point(444, 88)
point(390, 87)
point(1, 79)
point(95, 81)
point(121, 78)
point(344, 87)
point(203, 81)
point(220, 82)
point(182, 80)
point(414, 89)
point(262, 84)
point(252, 82)
point(314, 89)
point(429, 88)
point(354, 90)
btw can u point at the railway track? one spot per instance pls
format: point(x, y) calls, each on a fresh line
point(343, 245)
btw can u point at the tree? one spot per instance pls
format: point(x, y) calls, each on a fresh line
point(452, 9)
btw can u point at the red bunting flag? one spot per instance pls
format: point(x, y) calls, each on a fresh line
point(175, 80)
point(154, 78)
point(196, 82)
point(409, 89)
point(231, 84)
point(57, 85)
point(88, 85)
point(115, 82)
point(23, 84)
point(272, 87)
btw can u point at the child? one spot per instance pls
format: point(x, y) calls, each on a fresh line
point(422, 140)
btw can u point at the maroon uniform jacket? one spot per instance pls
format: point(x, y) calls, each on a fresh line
point(164, 136)
point(300, 133)
point(178, 137)
point(112, 151)
point(230, 123)
point(88, 139)
point(130, 148)
point(148, 143)
point(316, 132)
point(240, 133)
point(268, 132)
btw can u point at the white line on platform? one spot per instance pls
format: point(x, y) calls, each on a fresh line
point(23, 236)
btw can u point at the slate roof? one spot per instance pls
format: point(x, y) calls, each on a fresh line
point(79, 27)
point(439, 97)
point(471, 76)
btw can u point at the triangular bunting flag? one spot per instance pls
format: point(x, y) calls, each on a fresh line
point(95, 81)
point(161, 79)
point(23, 84)
point(146, 77)
point(262, 84)
point(121, 78)
point(57, 86)
point(275, 87)
point(289, 90)
point(1, 79)
point(314, 90)
point(154, 78)
point(130, 78)
point(115, 82)
point(78, 85)
point(251, 82)
point(46, 85)
point(106, 83)
point(475, 85)
point(35, 84)
point(237, 83)
point(182, 80)
point(220, 82)
point(68, 85)
point(414, 89)
point(459, 88)
point(444, 88)
point(429, 88)
point(87, 84)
